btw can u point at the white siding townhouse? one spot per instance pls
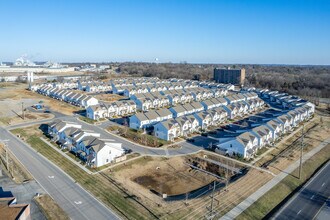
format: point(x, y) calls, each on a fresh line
point(263, 134)
point(144, 104)
point(138, 121)
point(204, 119)
point(87, 101)
point(295, 117)
point(246, 145)
point(286, 123)
point(167, 130)
point(178, 111)
point(276, 129)
point(97, 152)
point(86, 144)
point(232, 111)
point(185, 125)
point(57, 126)
point(97, 112)
point(208, 104)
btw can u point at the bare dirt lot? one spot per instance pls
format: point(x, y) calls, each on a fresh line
point(12, 95)
point(173, 177)
point(28, 116)
point(169, 176)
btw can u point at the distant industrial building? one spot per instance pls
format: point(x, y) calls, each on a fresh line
point(233, 76)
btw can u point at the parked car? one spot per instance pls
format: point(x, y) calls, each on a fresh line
point(213, 132)
point(191, 140)
point(204, 134)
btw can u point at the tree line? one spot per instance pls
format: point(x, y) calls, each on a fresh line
point(305, 81)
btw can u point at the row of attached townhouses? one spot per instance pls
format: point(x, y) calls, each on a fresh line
point(287, 101)
point(248, 142)
point(213, 85)
point(86, 144)
point(135, 81)
point(163, 99)
point(188, 124)
point(129, 90)
point(70, 96)
point(111, 109)
point(242, 108)
point(147, 119)
point(207, 113)
point(147, 101)
point(94, 86)
point(64, 85)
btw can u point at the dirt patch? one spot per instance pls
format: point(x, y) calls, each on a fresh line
point(174, 177)
point(11, 98)
point(29, 116)
point(170, 176)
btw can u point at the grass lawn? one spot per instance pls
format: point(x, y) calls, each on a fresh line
point(272, 198)
point(101, 186)
point(138, 137)
point(262, 150)
point(50, 208)
point(87, 120)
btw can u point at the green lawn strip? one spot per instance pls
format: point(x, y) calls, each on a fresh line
point(138, 137)
point(104, 190)
point(278, 193)
point(88, 120)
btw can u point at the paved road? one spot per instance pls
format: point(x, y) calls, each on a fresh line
point(186, 149)
point(310, 199)
point(71, 197)
point(240, 208)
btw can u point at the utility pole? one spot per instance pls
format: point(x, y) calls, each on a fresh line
point(23, 111)
point(7, 160)
point(227, 177)
point(6, 149)
point(187, 195)
point(301, 151)
point(212, 201)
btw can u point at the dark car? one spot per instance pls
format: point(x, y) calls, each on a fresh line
point(191, 140)
point(213, 132)
point(127, 151)
point(204, 134)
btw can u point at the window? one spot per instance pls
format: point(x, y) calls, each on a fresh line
point(231, 145)
point(110, 152)
point(107, 160)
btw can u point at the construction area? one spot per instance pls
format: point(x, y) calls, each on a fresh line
point(177, 185)
point(167, 185)
point(15, 98)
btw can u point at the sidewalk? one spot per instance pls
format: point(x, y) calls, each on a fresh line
point(235, 212)
point(66, 156)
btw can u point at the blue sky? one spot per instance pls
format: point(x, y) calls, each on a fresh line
point(231, 31)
